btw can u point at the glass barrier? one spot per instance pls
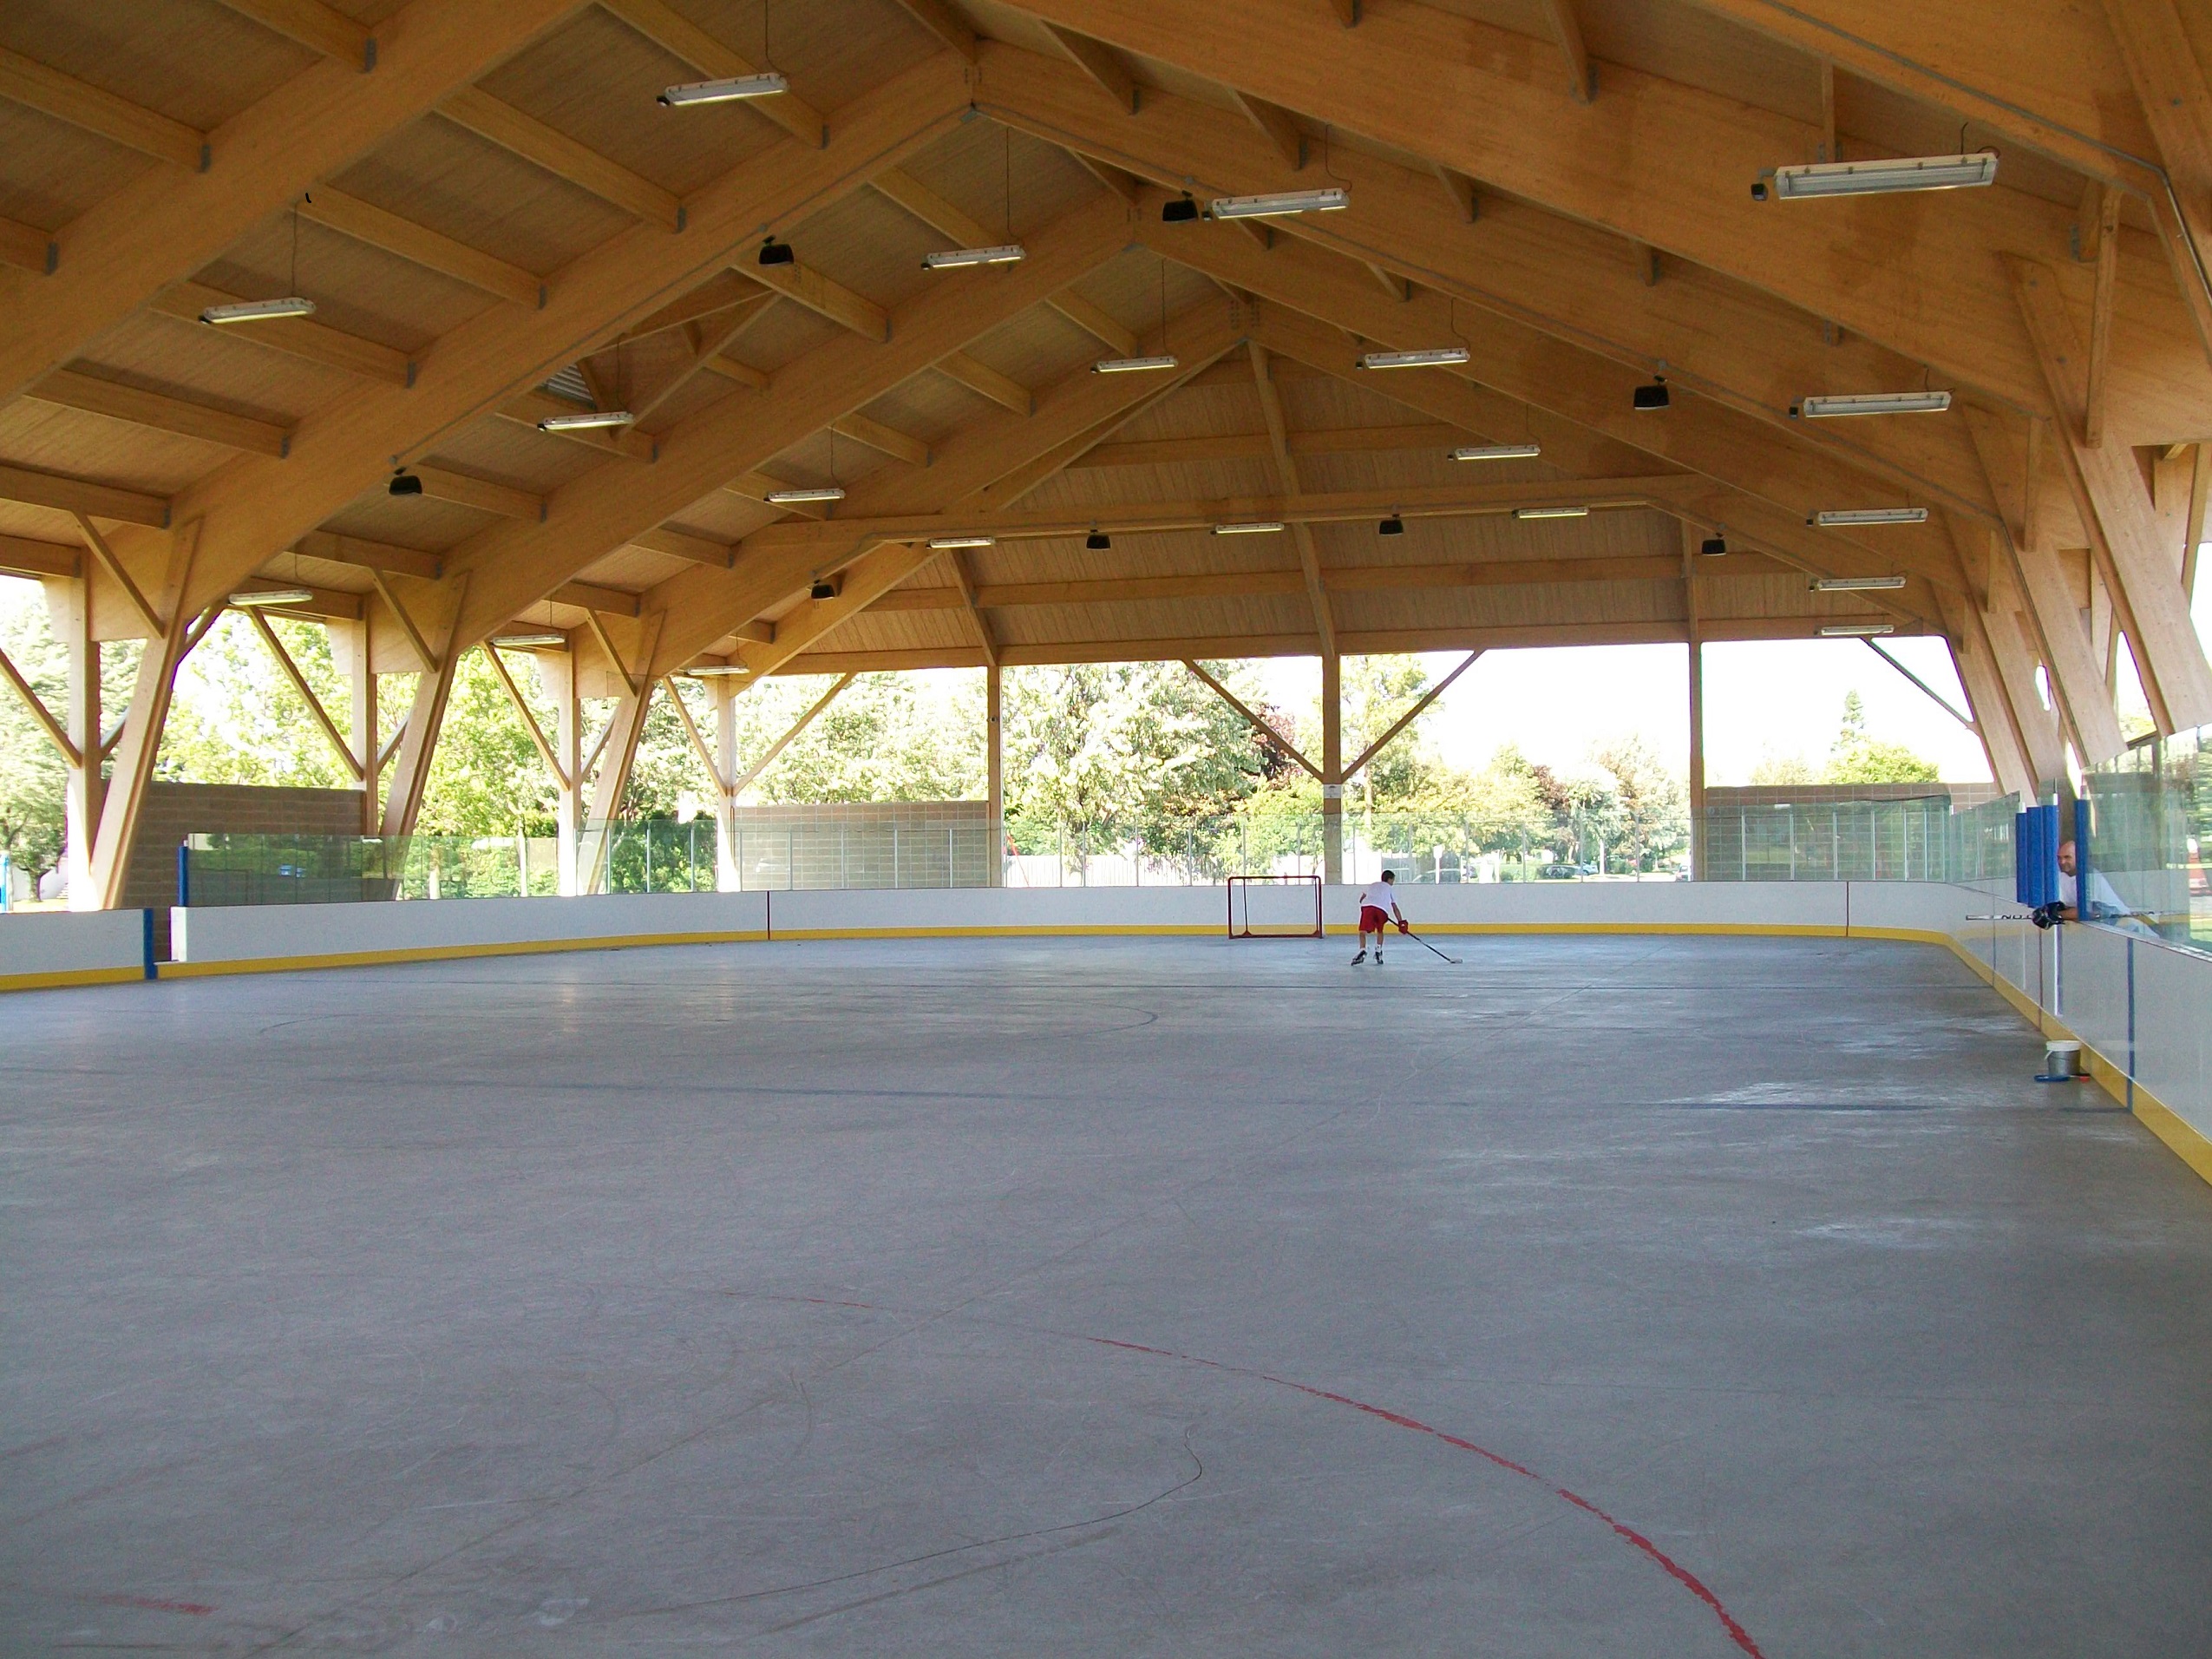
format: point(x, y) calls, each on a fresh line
point(1912, 840)
point(1919, 840)
point(2151, 820)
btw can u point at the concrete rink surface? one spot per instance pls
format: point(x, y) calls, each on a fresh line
point(1655, 1298)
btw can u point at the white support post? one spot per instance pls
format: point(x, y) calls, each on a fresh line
point(557, 677)
point(727, 876)
point(995, 813)
point(68, 609)
point(350, 655)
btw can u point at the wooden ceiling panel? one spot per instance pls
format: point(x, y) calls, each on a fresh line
point(407, 520)
point(96, 447)
point(359, 289)
point(193, 61)
point(596, 80)
point(449, 181)
point(50, 172)
point(216, 366)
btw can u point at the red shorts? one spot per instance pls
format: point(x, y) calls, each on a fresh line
point(1373, 921)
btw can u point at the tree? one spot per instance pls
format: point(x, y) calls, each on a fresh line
point(32, 775)
point(1855, 757)
point(1653, 819)
point(1126, 751)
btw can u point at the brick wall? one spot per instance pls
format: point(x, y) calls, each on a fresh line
point(175, 810)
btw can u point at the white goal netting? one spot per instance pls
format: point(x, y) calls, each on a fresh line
point(1274, 907)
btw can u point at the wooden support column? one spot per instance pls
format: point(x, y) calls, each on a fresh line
point(69, 610)
point(557, 677)
point(440, 657)
point(2023, 547)
point(140, 745)
point(1332, 769)
point(2116, 507)
point(728, 876)
point(995, 768)
point(1691, 537)
point(619, 751)
point(350, 654)
point(1992, 711)
point(2005, 632)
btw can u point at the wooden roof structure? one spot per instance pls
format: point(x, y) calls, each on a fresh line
point(498, 222)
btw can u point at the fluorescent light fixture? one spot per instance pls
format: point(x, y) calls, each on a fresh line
point(1256, 527)
point(272, 596)
point(1287, 201)
point(1844, 516)
point(520, 641)
point(1856, 630)
point(718, 670)
point(1498, 452)
point(589, 420)
point(1427, 357)
point(953, 258)
point(259, 310)
point(798, 498)
point(1874, 403)
point(1550, 512)
point(1857, 584)
point(1132, 365)
point(714, 92)
point(950, 543)
point(1881, 178)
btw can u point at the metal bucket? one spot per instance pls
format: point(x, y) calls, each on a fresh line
point(2061, 1061)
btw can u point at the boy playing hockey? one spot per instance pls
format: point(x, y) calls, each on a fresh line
point(1377, 906)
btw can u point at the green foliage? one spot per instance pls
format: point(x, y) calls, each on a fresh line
point(486, 778)
point(1782, 770)
point(237, 717)
point(1856, 758)
point(32, 776)
point(1126, 749)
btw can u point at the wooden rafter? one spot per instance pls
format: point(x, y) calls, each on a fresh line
point(662, 25)
point(419, 245)
point(807, 286)
point(74, 390)
point(312, 24)
point(26, 81)
point(1102, 63)
point(1566, 31)
point(56, 733)
point(562, 156)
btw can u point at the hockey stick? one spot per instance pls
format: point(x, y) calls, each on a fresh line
point(1426, 946)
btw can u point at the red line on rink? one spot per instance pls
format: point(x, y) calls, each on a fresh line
point(1675, 1569)
point(199, 1609)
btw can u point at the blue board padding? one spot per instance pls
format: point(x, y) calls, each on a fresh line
point(2035, 875)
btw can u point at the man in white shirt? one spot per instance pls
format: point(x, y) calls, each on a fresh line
point(1377, 905)
point(2100, 903)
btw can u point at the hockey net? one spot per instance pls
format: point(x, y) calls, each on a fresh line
point(1274, 907)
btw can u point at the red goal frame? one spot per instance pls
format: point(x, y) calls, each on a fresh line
point(1273, 932)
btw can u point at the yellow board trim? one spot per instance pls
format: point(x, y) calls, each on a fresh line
point(448, 952)
point(1778, 930)
point(70, 976)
